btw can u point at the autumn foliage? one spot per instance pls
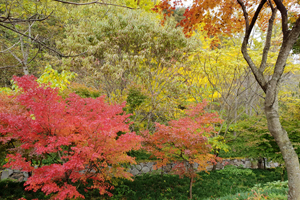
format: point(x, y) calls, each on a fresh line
point(218, 17)
point(79, 135)
point(184, 142)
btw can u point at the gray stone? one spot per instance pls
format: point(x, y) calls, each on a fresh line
point(6, 173)
point(142, 164)
point(138, 167)
point(17, 176)
point(247, 164)
point(254, 164)
point(150, 164)
point(25, 174)
point(219, 166)
point(134, 172)
point(145, 169)
point(209, 168)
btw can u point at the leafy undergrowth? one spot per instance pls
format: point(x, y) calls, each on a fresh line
point(231, 183)
point(275, 190)
point(11, 190)
point(221, 183)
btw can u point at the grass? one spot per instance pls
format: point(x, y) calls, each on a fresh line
point(231, 183)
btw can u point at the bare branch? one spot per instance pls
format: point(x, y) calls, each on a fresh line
point(41, 43)
point(10, 66)
point(284, 18)
point(93, 2)
point(258, 75)
point(245, 14)
point(263, 63)
point(7, 49)
point(17, 20)
point(253, 20)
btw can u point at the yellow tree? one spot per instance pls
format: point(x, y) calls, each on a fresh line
point(230, 16)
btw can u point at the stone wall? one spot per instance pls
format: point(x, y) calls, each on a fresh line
point(14, 174)
point(147, 167)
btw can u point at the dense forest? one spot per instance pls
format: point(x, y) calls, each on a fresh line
point(93, 85)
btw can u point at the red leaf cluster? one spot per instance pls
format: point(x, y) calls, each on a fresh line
point(79, 134)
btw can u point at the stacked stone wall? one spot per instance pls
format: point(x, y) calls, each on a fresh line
point(148, 167)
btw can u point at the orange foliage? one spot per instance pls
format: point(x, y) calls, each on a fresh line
point(184, 141)
point(220, 17)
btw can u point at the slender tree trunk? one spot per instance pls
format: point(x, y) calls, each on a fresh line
point(289, 155)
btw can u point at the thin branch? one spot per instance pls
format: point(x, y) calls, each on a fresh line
point(245, 14)
point(7, 49)
point(253, 20)
point(10, 66)
point(93, 2)
point(41, 43)
point(268, 39)
point(258, 75)
point(16, 20)
point(284, 18)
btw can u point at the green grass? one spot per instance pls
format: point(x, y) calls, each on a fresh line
point(231, 183)
point(213, 185)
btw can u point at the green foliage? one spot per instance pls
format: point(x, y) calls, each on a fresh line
point(254, 140)
point(11, 190)
point(212, 185)
point(141, 155)
point(233, 170)
point(130, 56)
point(271, 185)
point(84, 91)
point(5, 90)
point(134, 99)
point(209, 186)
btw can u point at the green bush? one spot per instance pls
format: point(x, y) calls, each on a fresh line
point(233, 170)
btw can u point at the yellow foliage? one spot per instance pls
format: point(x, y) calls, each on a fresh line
point(56, 79)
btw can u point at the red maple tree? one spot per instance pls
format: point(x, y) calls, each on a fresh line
point(79, 135)
point(184, 142)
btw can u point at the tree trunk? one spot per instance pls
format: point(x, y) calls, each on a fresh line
point(289, 155)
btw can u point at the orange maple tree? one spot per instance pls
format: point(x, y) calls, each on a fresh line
point(79, 135)
point(184, 142)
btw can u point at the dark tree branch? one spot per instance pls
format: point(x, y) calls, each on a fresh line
point(245, 14)
point(284, 18)
point(41, 43)
point(263, 63)
point(93, 2)
point(253, 20)
point(17, 20)
point(258, 75)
